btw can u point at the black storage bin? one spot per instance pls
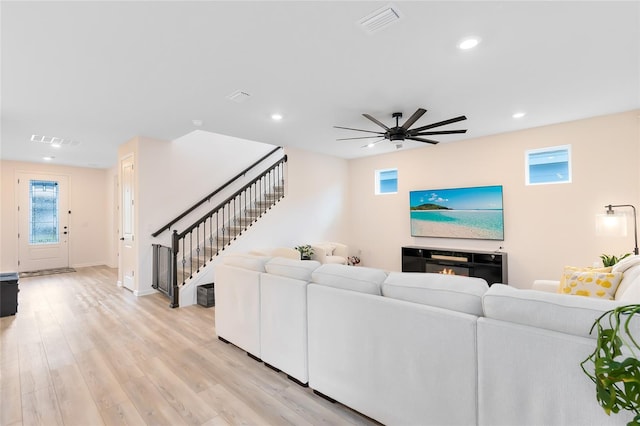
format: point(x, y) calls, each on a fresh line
point(206, 295)
point(8, 293)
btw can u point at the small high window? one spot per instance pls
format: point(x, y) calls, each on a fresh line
point(386, 181)
point(548, 165)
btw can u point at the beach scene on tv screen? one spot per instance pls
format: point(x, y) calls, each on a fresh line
point(474, 213)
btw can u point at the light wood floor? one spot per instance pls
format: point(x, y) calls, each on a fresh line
point(82, 351)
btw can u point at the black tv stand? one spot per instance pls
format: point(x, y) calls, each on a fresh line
point(489, 265)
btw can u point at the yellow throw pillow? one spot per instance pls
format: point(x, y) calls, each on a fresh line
point(568, 269)
point(591, 283)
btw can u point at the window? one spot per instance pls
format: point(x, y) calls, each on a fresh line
point(43, 212)
point(548, 165)
point(386, 181)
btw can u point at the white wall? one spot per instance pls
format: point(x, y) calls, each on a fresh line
point(313, 210)
point(173, 175)
point(546, 227)
point(88, 222)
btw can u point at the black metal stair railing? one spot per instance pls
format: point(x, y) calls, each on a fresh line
point(196, 246)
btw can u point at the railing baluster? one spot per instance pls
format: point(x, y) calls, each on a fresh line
point(237, 215)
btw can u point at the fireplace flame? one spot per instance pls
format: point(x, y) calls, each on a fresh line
point(446, 271)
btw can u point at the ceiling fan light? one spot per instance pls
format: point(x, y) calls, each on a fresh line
point(468, 43)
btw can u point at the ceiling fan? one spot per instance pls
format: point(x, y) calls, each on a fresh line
point(400, 133)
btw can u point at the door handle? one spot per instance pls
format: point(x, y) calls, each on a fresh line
point(65, 232)
point(121, 238)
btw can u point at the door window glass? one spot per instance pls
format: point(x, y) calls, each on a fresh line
point(43, 212)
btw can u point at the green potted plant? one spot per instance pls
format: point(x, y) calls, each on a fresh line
point(305, 251)
point(610, 260)
point(614, 366)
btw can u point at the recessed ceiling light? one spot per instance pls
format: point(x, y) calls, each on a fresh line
point(468, 43)
point(197, 123)
point(48, 158)
point(518, 115)
point(276, 117)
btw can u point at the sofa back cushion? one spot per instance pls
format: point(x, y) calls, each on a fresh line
point(550, 311)
point(629, 288)
point(457, 293)
point(355, 278)
point(246, 261)
point(297, 269)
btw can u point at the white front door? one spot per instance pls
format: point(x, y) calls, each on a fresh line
point(127, 208)
point(43, 221)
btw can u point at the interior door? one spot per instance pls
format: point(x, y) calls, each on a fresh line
point(127, 209)
point(43, 221)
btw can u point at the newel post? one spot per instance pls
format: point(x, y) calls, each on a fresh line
point(175, 292)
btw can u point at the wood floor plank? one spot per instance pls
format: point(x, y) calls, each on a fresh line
point(74, 399)
point(10, 395)
point(40, 407)
point(83, 351)
point(124, 414)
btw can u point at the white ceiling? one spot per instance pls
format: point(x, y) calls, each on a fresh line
point(101, 73)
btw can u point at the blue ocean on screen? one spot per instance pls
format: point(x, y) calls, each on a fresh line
point(487, 220)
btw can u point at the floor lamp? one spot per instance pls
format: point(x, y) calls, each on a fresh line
point(613, 224)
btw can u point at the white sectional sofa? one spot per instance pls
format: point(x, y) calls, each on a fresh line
point(415, 348)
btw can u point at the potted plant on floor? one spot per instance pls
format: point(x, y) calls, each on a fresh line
point(614, 366)
point(305, 251)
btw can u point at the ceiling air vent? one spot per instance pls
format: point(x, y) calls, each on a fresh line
point(379, 19)
point(238, 96)
point(54, 141)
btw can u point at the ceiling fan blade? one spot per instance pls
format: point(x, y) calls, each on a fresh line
point(415, 117)
point(360, 137)
point(438, 132)
point(358, 130)
point(439, 123)
point(376, 121)
point(411, 138)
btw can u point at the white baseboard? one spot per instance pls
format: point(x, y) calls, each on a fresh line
point(145, 292)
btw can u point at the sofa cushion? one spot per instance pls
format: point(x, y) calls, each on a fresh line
point(246, 261)
point(457, 293)
point(355, 278)
point(590, 283)
point(297, 269)
point(550, 311)
point(629, 288)
point(626, 263)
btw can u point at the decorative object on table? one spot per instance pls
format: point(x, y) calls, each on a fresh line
point(610, 260)
point(613, 366)
point(612, 224)
point(305, 251)
point(353, 260)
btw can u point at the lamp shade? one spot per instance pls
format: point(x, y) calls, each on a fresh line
point(611, 225)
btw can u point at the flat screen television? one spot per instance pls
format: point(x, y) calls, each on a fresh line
point(471, 213)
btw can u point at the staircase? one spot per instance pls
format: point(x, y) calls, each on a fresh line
point(194, 248)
